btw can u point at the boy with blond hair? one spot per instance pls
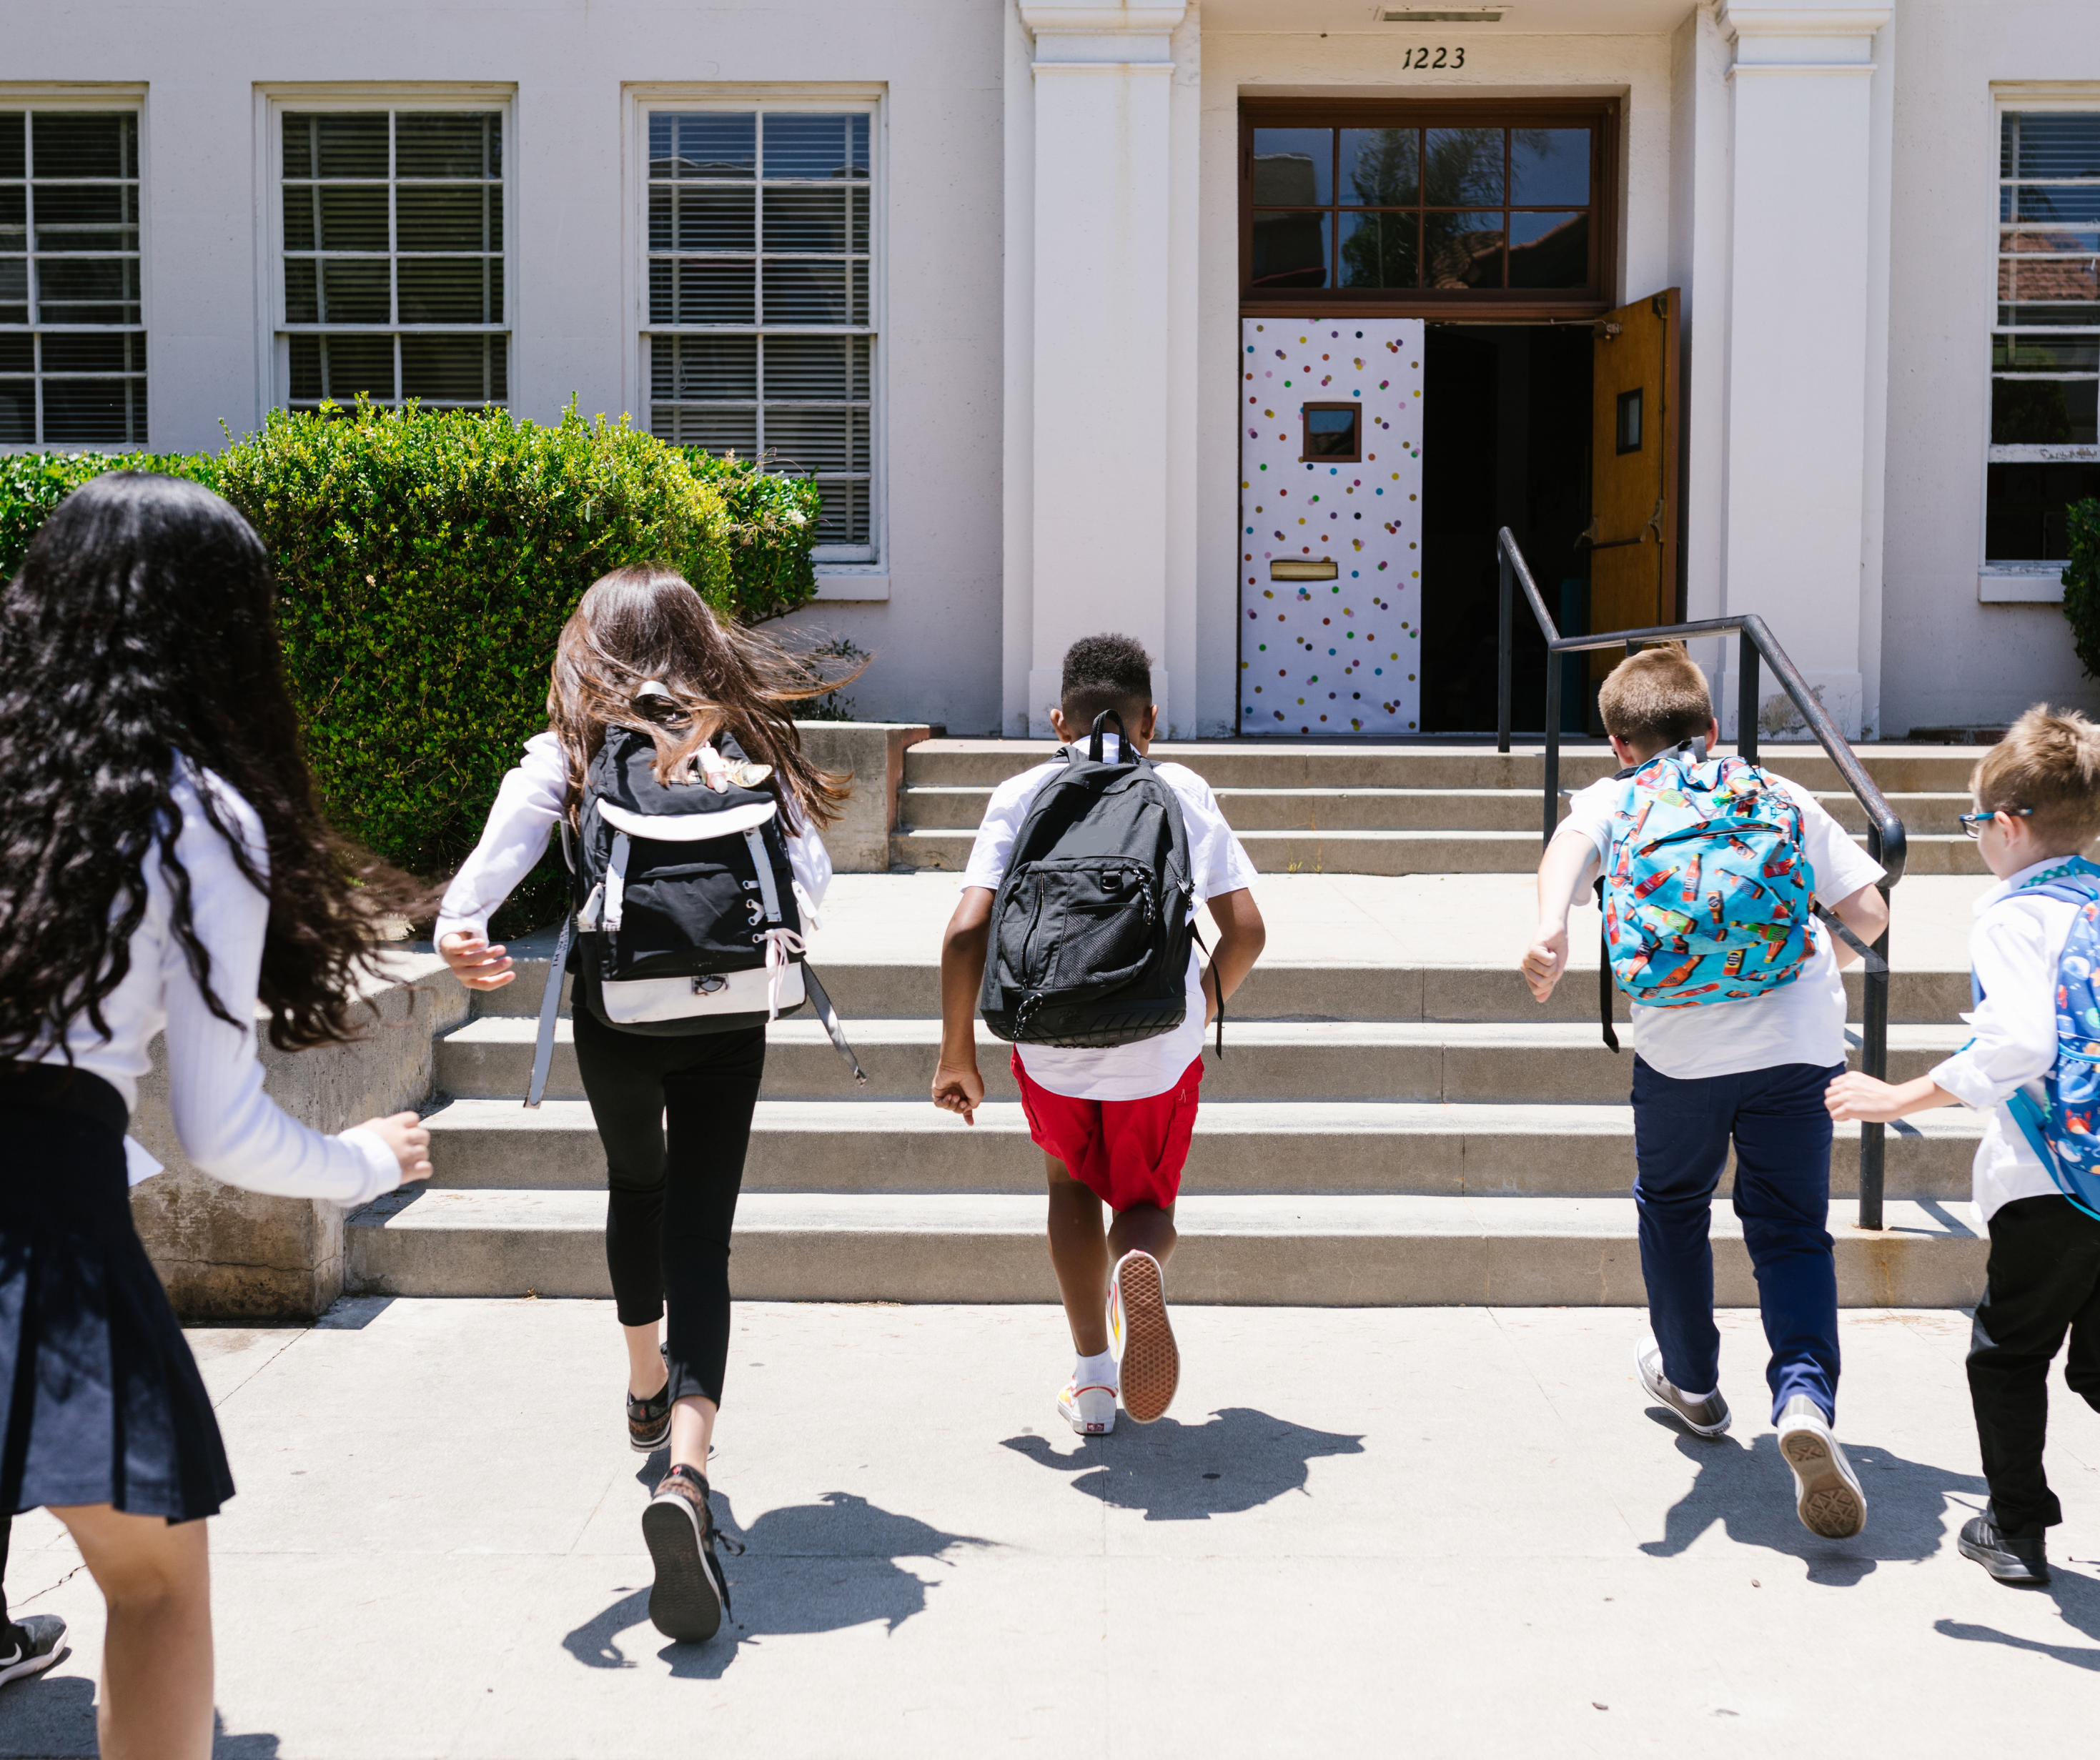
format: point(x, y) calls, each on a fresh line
point(2037, 807)
point(1745, 1063)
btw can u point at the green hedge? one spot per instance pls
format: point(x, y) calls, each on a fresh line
point(425, 563)
point(2081, 582)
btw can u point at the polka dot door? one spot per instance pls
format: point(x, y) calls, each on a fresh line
point(1330, 525)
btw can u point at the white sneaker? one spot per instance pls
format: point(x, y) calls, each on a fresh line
point(1708, 1417)
point(1141, 1338)
point(1828, 1499)
point(1091, 1410)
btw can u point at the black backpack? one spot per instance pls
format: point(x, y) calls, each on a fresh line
point(1091, 929)
point(683, 905)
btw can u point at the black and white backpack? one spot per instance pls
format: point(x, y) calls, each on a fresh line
point(1091, 929)
point(684, 906)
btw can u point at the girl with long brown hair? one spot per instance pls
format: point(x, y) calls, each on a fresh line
point(164, 869)
point(644, 653)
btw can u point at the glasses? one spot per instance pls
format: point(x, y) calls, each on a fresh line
point(1972, 824)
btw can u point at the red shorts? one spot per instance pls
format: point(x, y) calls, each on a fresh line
point(1125, 1152)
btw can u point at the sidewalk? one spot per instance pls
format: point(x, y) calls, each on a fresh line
point(1440, 1531)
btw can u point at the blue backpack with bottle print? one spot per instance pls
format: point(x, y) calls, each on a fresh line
point(2062, 1127)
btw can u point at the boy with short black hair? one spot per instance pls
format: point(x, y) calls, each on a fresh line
point(1113, 1122)
point(1749, 1069)
point(2037, 806)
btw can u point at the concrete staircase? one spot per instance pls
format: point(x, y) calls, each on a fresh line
point(1394, 1120)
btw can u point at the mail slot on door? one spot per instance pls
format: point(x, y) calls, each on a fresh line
point(1303, 568)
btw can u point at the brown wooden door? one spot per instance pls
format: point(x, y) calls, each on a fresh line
point(1633, 476)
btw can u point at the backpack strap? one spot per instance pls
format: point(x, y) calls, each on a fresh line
point(1197, 934)
point(550, 1006)
point(1604, 973)
point(830, 1017)
point(1122, 738)
point(1870, 961)
point(611, 910)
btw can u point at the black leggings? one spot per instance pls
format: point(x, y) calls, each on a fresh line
point(673, 1202)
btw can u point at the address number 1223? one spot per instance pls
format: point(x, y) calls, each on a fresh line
point(1443, 58)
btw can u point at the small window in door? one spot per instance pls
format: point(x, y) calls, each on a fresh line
point(1333, 432)
point(1630, 420)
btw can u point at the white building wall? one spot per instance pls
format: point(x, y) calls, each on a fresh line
point(1948, 658)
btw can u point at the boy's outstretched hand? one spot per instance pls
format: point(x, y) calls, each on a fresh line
point(1854, 1096)
point(1545, 959)
point(959, 1088)
point(475, 963)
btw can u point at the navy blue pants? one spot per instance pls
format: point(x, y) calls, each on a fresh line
point(1781, 1132)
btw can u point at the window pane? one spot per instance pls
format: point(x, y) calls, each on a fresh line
point(1549, 167)
point(18, 354)
point(1289, 250)
point(709, 144)
point(2028, 240)
point(112, 410)
point(447, 144)
point(14, 217)
point(87, 290)
point(448, 369)
point(353, 216)
point(2040, 144)
point(2072, 203)
point(1462, 250)
point(14, 290)
point(815, 145)
point(1381, 250)
point(1381, 168)
point(806, 293)
point(704, 366)
point(460, 218)
point(720, 431)
point(702, 291)
point(303, 298)
point(810, 366)
point(353, 146)
point(354, 292)
point(1549, 250)
point(353, 363)
point(842, 518)
point(300, 217)
point(859, 198)
point(92, 216)
point(861, 351)
point(18, 411)
point(1293, 167)
point(2032, 354)
point(702, 219)
point(2044, 411)
point(450, 290)
point(1464, 166)
point(70, 145)
point(2023, 519)
point(2049, 278)
point(305, 376)
point(806, 220)
point(14, 137)
point(120, 352)
point(2031, 317)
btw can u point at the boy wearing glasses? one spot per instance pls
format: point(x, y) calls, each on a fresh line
point(2037, 806)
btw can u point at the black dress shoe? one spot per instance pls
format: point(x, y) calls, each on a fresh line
point(2021, 1563)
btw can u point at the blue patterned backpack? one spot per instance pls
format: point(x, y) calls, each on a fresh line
point(2062, 1128)
point(1709, 895)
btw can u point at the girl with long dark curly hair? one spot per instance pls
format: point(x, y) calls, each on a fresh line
point(164, 869)
point(645, 657)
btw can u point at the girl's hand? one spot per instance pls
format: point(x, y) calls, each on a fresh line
point(1855, 1096)
point(959, 1088)
point(475, 963)
point(404, 1134)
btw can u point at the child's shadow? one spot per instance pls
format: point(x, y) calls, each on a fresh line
point(1748, 1488)
point(2077, 1600)
point(809, 1568)
point(1237, 1460)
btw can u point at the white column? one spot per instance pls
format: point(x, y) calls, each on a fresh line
point(1099, 519)
point(1801, 322)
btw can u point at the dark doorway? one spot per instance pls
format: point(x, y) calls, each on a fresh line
point(1506, 442)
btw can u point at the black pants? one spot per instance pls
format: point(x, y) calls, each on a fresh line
point(674, 1116)
point(2044, 1281)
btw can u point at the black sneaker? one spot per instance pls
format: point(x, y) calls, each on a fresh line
point(649, 1420)
point(690, 1596)
point(31, 1646)
point(2023, 1564)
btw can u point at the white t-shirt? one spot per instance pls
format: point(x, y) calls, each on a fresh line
point(1800, 1023)
point(1217, 865)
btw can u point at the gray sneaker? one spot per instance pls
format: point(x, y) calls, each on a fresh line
point(1828, 1497)
point(1708, 1417)
point(32, 1646)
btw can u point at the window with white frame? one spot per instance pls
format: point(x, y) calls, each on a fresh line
point(759, 337)
point(2045, 451)
point(73, 333)
point(391, 244)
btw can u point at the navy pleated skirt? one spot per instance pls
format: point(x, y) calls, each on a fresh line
point(100, 1400)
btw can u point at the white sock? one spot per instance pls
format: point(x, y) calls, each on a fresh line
point(1094, 1371)
point(1694, 1399)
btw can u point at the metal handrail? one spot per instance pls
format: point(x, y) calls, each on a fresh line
point(1886, 841)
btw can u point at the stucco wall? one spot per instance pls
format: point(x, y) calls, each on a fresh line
point(1947, 658)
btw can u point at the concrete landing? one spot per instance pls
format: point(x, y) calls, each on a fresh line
point(1452, 1532)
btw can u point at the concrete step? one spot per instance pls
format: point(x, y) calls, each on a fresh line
point(492, 1058)
point(1295, 1147)
point(1255, 764)
point(1341, 1252)
point(1395, 852)
point(962, 808)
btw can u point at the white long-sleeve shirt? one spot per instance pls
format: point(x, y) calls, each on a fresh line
point(228, 1126)
point(527, 805)
point(2014, 950)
